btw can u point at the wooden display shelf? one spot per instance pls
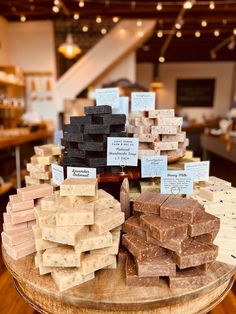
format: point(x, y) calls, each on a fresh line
point(7, 83)
point(107, 293)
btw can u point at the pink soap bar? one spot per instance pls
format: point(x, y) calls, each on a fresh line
point(22, 216)
point(35, 191)
point(21, 250)
point(7, 218)
point(18, 205)
point(17, 238)
point(17, 227)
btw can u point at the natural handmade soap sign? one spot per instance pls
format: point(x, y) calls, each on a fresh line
point(177, 182)
point(122, 151)
point(108, 96)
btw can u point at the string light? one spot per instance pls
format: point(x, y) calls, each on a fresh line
point(216, 33)
point(98, 19)
point(85, 28)
point(146, 48)
point(231, 44)
point(159, 6)
point(76, 16)
point(122, 31)
point(161, 59)
point(139, 23)
point(212, 5)
point(188, 5)
point(140, 34)
point(159, 34)
point(234, 31)
point(56, 2)
point(115, 19)
point(103, 31)
point(178, 34)
point(178, 25)
point(22, 18)
point(55, 9)
point(197, 34)
point(204, 23)
point(81, 4)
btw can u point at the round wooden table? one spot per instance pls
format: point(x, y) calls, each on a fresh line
point(107, 293)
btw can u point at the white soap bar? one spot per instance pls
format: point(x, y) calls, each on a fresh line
point(164, 129)
point(37, 168)
point(62, 256)
point(94, 262)
point(105, 200)
point(176, 121)
point(47, 150)
point(147, 138)
point(226, 258)
point(165, 113)
point(179, 137)
point(217, 193)
point(165, 146)
point(217, 181)
point(75, 216)
point(41, 175)
point(93, 241)
point(147, 152)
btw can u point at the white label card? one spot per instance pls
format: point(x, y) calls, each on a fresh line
point(143, 101)
point(200, 170)
point(108, 96)
point(81, 172)
point(122, 151)
point(177, 182)
point(123, 106)
point(153, 166)
point(57, 174)
point(58, 135)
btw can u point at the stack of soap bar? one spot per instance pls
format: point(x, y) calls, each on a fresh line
point(40, 166)
point(169, 236)
point(218, 198)
point(17, 235)
point(85, 138)
point(159, 133)
point(77, 232)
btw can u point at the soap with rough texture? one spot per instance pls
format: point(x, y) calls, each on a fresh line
point(61, 256)
point(78, 187)
point(93, 262)
point(35, 191)
point(150, 202)
point(132, 226)
point(203, 223)
point(93, 241)
point(75, 216)
point(108, 220)
point(191, 278)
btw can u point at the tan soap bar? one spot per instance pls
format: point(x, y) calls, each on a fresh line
point(147, 152)
point(17, 205)
point(42, 245)
point(106, 222)
point(105, 200)
point(36, 191)
point(217, 181)
point(175, 121)
point(179, 137)
point(64, 235)
point(80, 187)
point(68, 278)
point(164, 129)
point(44, 160)
point(48, 203)
point(165, 113)
point(41, 175)
point(43, 270)
point(22, 216)
point(94, 241)
point(93, 262)
point(44, 217)
point(36, 167)
point(62, 256)
point(217, 193)
point(113, 250)
point(18, 251)
point(147, 138)
point(31, 181)
point(77, 216)
point(17, 238)
point(165, 146)
point(47, 150)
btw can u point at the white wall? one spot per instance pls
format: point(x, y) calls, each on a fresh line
point(144, 73)
point(221, 71)
point(4, 42)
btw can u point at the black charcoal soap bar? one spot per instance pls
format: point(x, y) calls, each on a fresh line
point(97, 162)
point(73, 137)
point(97, 110)
point(76, 153)
point(81, 120)
point(97, 129)
point(72, 128)
point(92, 146)
point(111, 119)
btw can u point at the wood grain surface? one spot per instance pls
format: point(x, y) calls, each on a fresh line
point(107, 293)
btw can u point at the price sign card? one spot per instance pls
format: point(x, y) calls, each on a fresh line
point(143, 101)
point(58, 135)
point(81, 173)
point(177, 182)
point(200, 170)
point(123, 106)
point(108, 96)
point(153, 166)
point(122, 151)
point(57, 174)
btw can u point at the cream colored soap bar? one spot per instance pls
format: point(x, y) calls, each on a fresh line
point(93, 241)
point(62, 256)
point(217, 181)
point(22, 216)
point(37, 167)
point(113, 250)
point(43, 270)
point(45, 160)
point(17, 238)
point(165, 146)
point(93, 262)
point(217, 193)
point(176, 121)
point(179, 137)
point(63, 235)
point(41, 175)
point(147, 152)
point(47, 150)
point(76, 216)
point(31, 181)
point(48, 203)
point(79, 187)
point(165, 113)
point(42, 245)
point(106, 222)
point(69, 278)
point(44, 217)
point(105, 200)
point(164, 129)
point(36, 191)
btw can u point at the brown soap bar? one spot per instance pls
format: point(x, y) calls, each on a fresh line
point(163, 229)
point(207, 237)
point(150, 202)
point(132, 278)
point(139, 248)
point(203, 223)
point(123, 253)
point(132, 226)
point(190, 278)
point(196, 254)
point(156, 266)
point(181, 209)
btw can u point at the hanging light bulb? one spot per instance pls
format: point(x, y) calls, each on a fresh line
point(56, 2)
point(160, 34)
point(216, 33)
point(22, 18)
point(231, 44)
point(76, 16)
point(197, 34)
point(55, 9)
point(188, 5)
point(103, 31)
point(204, 23)
point(234, 31)
point(159, 6)
point(98, 19)
point(140, 34)
point(212, 5)
point(122, 31)
point(139, 23)
point(178, 25)
point(81, 3)
point(178, 34)
point(161, 59)
point(69, 49)
point(115, 19)
point(85, 28)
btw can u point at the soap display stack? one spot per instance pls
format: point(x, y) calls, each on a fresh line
point(40, 166)
point(85, 138)
point(159, 133)
point(17, 235)
point(219, 198)
point(77, 232)
point(180, 248)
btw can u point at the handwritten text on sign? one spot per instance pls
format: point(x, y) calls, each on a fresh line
point(108, 96)
point(143, 101)
point(153, 166)
point(122, 151)
point(200, 170)
point(57, 174)
point(82, 173)
point(176, 182)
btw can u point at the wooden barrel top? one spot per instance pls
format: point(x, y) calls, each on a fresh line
point(107, 293)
